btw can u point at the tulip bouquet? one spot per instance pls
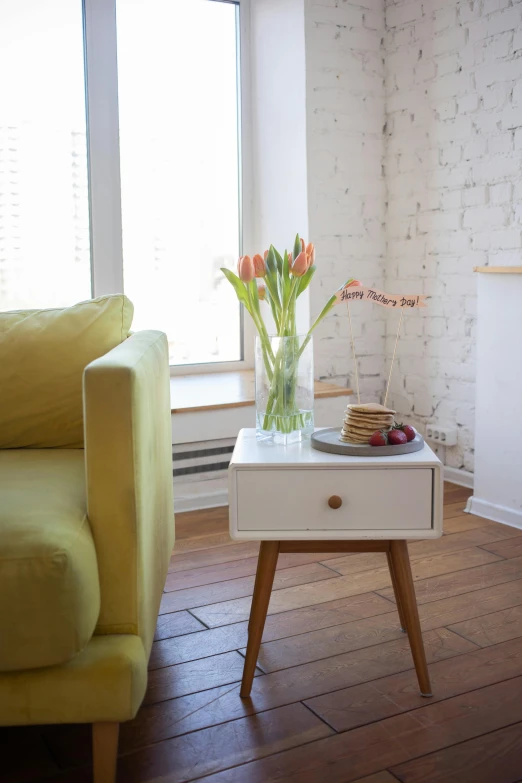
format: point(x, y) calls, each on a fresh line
point(284, 387)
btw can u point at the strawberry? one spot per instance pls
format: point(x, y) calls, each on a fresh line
point(378, 438)
point(397, 438)
point(408, 430)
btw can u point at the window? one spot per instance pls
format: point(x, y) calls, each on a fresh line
point(162, 175)
point(44, 215)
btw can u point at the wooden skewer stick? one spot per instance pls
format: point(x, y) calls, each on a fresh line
point(354, 356)
point(393, 357)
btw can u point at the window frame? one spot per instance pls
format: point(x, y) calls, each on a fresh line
point(103, 161)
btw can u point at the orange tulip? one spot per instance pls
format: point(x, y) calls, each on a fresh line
point(265, 254)
point(290, 258)
point(300, 265)
point(310, 254)
point(303, 245)
point(245, 269)
point(259, 265)
point(261, 292)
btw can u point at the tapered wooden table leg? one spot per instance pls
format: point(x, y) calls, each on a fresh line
point(254, 595)
point(404, 580)
point(402, 619)
point(266, 566)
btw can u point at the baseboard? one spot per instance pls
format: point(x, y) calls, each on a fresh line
point(503, 514)
point(212, 499)
point(458, 476)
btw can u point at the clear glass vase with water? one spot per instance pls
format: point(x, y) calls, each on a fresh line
point(284, 375)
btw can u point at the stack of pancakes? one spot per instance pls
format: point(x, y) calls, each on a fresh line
point(361, 421)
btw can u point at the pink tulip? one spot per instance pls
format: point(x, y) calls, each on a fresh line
point(290, 258)
point(265, 254)
point(245, 269)
point(303, 245)
point(259, 265)
point(261, 292)
point(300, 265)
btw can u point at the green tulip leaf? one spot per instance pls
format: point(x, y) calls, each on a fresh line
point(238, 285)
point(279, 261)
point(326, 309)
point(305, 280)
point(271, 261)
point(297, 246)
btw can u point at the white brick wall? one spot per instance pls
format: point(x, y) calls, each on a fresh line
point(346, 191)
point(452, 131)
point(432, 89)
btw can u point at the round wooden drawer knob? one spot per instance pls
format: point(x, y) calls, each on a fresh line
point(335, 501)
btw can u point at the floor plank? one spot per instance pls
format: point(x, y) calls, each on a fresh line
point(457, 523)
point(455, 509)
point(339, 639)
point(464, 581)
point(238, 588)
point(209, 554)
point(422, 567)
point(511, 547)
point(194, 755)
point(492, 628)
point(351, 584)
point(191, 524)
point(194, 676)
point(379, 777)
point(496, 756)
point(209, 550)
point(351, 755)
point(304, 681)
point(176, 624)
point(453, 493)
point(233, 570)
point(361, 704)
point(278, 626)
point(482, 537)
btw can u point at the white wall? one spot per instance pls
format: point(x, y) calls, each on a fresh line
point(277, 81)
point(453, 172)
point(497, 489)
point(346, 190)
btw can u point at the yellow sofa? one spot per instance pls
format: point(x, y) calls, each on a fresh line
point(85, 533)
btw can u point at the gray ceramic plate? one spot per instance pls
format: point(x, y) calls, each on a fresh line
point(328, 440)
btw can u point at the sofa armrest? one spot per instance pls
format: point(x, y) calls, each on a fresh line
point(128, 456)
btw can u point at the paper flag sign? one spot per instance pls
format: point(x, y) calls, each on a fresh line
point(361, 293)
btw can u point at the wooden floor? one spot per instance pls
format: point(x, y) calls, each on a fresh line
point(336, 698)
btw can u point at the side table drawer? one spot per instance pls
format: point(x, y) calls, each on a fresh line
point(297, 500)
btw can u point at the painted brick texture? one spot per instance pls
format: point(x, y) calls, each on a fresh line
point(414, 123)
point(346, 189)
point(454, 188)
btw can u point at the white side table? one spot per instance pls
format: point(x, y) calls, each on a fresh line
point(297, 499)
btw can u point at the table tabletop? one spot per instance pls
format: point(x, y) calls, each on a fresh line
point(252, 453)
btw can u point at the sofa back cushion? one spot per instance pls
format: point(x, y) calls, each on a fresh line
point(43, 354)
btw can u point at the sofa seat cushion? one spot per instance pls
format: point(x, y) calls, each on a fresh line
point(49, 587)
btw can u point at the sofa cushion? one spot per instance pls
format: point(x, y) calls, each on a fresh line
point(49, 587)
point(43, 354)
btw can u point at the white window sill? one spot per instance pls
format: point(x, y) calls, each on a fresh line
point(222, 390)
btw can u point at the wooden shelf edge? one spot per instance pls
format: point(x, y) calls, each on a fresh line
point(498, 270)
point(197, 393)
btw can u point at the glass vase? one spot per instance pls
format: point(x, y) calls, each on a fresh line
point(284, 373)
